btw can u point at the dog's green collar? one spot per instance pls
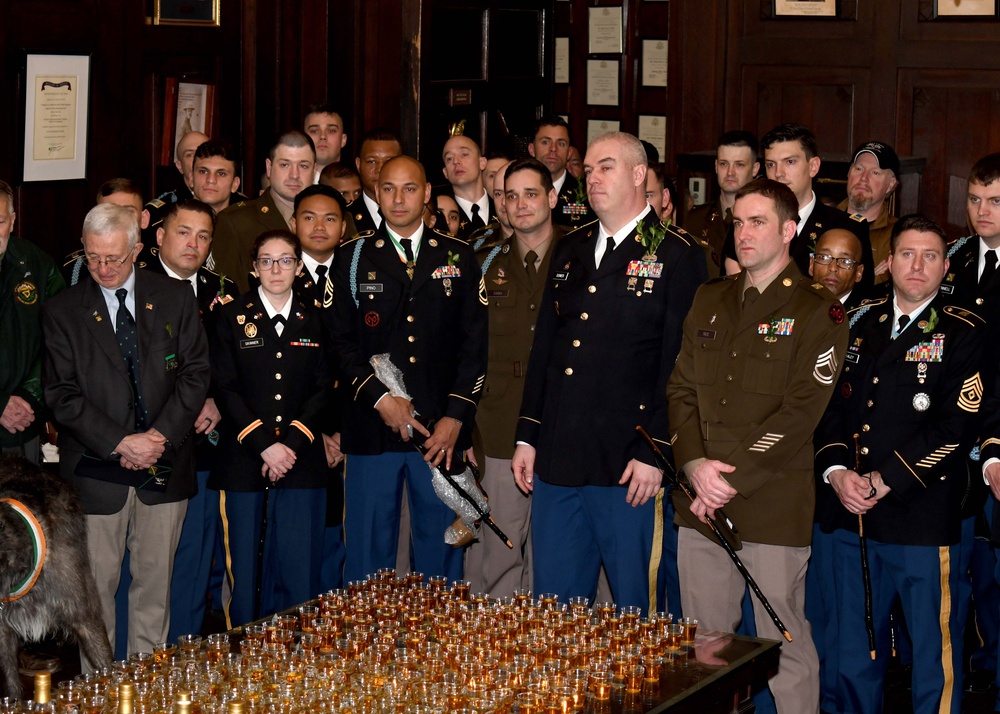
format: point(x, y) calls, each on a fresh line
point(38, 548)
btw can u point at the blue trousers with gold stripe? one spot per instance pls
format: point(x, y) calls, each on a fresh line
point(925, 578)
point(373, 489)
point(293, 549)
point(574, 529)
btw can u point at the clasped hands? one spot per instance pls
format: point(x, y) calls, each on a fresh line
point(855, 490)
point(398, 415)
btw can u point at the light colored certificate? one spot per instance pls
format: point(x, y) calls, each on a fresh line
point(55, 117)
point(596, 127)
point(562, 60)
point(654, 130)
point(605, 30)
point(654, 63)
point(602, 82)
point(805, 8)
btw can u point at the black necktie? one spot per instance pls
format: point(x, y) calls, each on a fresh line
point(990, 268)
point(608, 249)
point(408, 251)
point(323, 281)
point(904, 320)
point(477, 220)
point(128, 343)
point(529, 264)
point(750, 295)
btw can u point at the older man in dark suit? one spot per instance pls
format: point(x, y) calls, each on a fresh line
point(126, 372)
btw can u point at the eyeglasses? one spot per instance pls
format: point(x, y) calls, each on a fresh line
point(93, 262)
point(844, 263)
point(285, 263)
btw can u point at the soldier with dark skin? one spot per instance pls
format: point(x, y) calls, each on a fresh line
point(417, 295)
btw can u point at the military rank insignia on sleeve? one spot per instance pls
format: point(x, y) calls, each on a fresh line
point(972, 394)
point(825, 370)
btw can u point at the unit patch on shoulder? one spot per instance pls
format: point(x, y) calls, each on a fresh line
point(837, 313)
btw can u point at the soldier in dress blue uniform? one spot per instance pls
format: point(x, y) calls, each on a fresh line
point(973, 281)
point(419, 296)
point(376, 147)
point(272, 387)
point(184, 240)
point(893, 446)
point(608, 332)
point(551, 146)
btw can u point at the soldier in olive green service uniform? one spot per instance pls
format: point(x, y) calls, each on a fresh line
point(761, 353)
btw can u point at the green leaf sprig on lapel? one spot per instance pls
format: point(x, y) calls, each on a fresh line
point(453, 258)
point(932, 322)
point(650, 238)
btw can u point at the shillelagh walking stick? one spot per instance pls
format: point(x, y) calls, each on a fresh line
point(672, 478)
point(866, 575)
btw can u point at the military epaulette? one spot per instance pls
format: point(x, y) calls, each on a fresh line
point(235, 205)
point(156, 203)
point(154, 251)
point(439, 234)
point(954, 247)
point(584, 227)
point(167, 197)
point(362, 234)
point(679, 233)
point(870, 302)
point(73, 257)
point(721, 279)
point(964, 315)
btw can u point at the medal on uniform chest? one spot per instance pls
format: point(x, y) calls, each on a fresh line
point(921, 372)
point(632, 282)
point(447, 286)
point(921, 401)
point(647, 286)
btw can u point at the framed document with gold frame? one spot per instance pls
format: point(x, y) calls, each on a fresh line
point(56, 110)
point(805, 8)
point(186, 12)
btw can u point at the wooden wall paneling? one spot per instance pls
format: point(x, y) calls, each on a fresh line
point(829, 101)
point(697, 83)
point(952, 118)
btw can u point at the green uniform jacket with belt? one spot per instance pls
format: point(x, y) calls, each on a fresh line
point(750, 385)
point(235, 231)
point(28, 277)
point(514, 302)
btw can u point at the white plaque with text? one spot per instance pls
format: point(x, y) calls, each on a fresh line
point(602, 82)
point(562, 60)
point(654, 63)
point(654, 130)
point(605, 30)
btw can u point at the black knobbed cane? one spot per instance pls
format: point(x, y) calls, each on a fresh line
point(866, 575)
point(673, 480)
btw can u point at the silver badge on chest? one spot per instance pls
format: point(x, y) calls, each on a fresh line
point(921, 401)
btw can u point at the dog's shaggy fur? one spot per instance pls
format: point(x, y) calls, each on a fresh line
point(64, 598)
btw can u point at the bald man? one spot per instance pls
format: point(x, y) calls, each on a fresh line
point(417, 295)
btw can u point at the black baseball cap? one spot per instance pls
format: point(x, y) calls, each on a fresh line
point(883, 153)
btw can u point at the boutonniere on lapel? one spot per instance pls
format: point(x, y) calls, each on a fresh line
point(578, 206)
point(453, 258)
point(775, 327)
point(220, 297)
point(170, 330)
point(648, 267)
point(928, 325)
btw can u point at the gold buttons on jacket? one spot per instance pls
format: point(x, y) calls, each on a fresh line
point(576, 343)
point(864, 451)
point(729, 378)
point(413, 360)
point(865, 427)
point(278, 418)
point(411, 338)
point(569, 371)
point(409, 318)
point(874, 380)
point(733, 354)
point(871, 403)
point(584, 316)
point(592, 289)
point(278, 355)
point(277, 397)
point(722, 401)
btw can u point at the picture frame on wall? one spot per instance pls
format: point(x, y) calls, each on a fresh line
point(56, 113)
point(805, 8)
point(964, 9)
point(187, 106)
point(186, 12)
